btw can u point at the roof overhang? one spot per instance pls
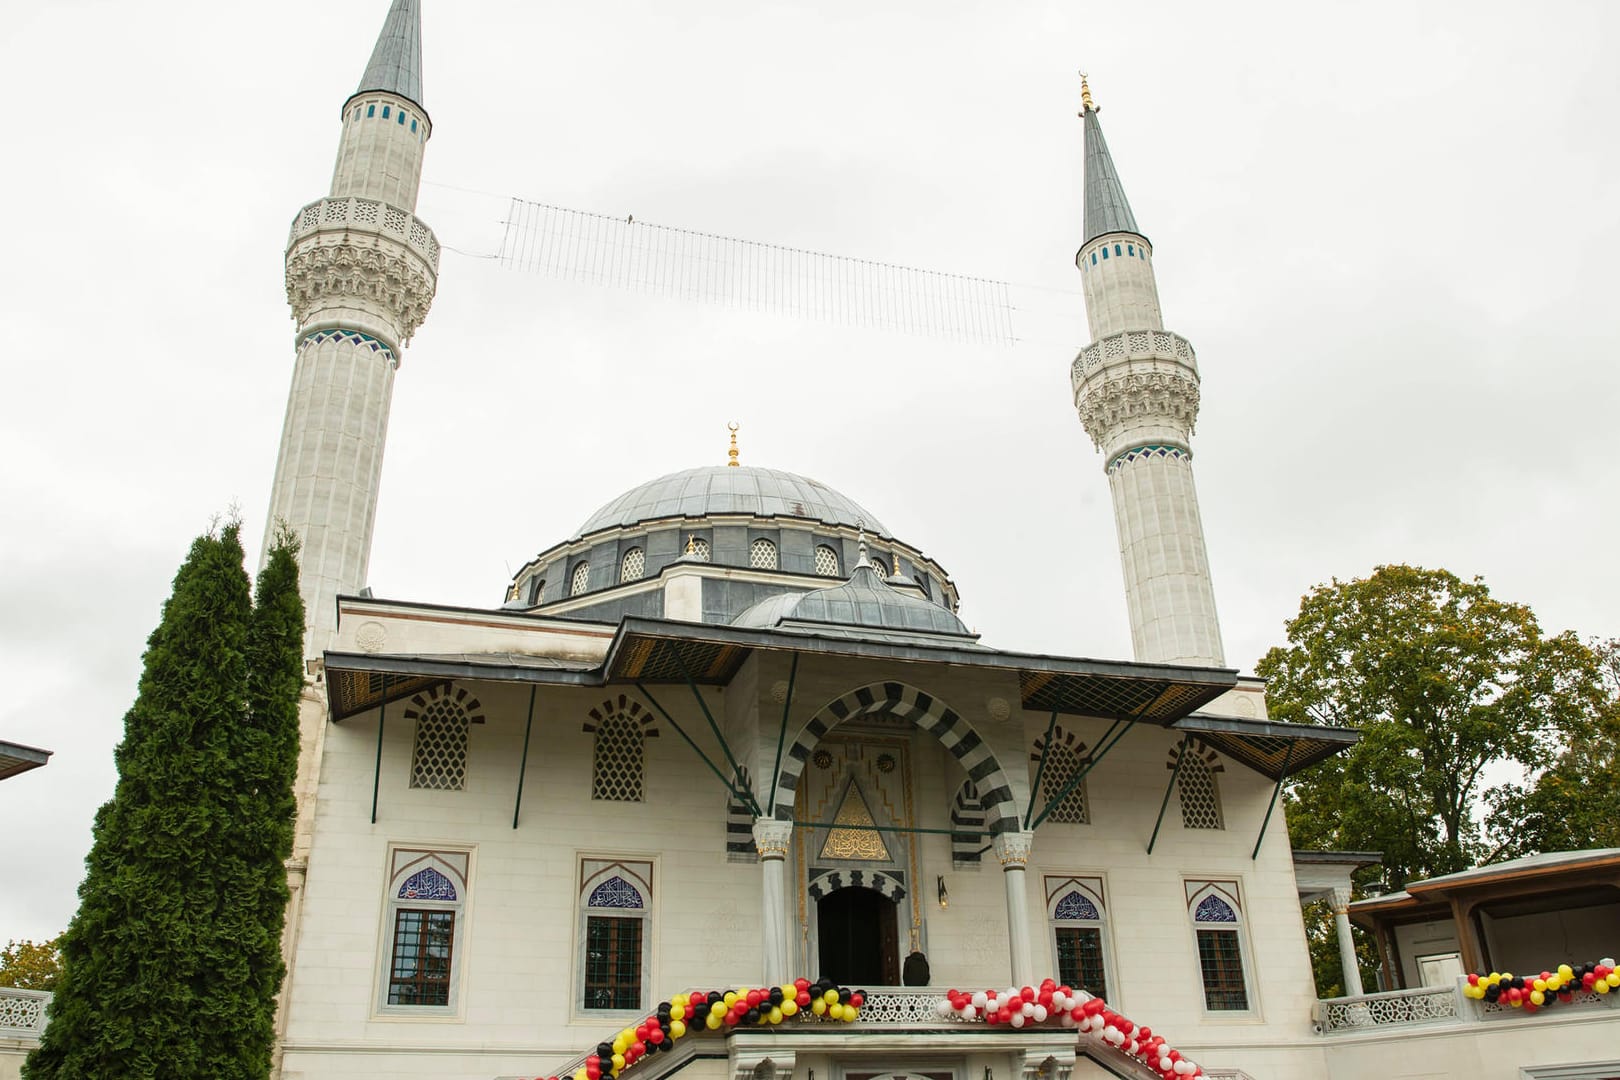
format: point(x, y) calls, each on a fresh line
point(356, 682)
point(16, 758)
point(1274, 750)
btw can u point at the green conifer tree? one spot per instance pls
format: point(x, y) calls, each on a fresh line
point(171, 964)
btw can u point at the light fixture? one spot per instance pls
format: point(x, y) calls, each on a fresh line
point(944, 896)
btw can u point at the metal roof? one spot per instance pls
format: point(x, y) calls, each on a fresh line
point(865, 601)
point(1107, 209)
point(396, 61)
point(16, 758)
point(722, 489)
point(1269, 748)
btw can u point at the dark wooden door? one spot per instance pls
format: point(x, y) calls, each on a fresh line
point(859, 936)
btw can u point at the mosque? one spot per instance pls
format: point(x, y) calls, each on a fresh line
point(729, 731)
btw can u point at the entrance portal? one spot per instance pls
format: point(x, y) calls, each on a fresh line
point(860, 938)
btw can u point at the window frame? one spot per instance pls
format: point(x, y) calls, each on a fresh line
point(1229, 892)
point(1094, 890)
point(759, 543)
point(837, 563)
point(624, 565)
point(576, 587)
point(442, 860)
point(593, 871)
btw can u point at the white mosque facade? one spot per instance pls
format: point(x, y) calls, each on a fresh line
point(729, 732)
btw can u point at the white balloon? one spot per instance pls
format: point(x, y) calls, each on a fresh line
point(1017, 1019)
point(1039, 1013)
point(1165, 1064)
point(969, 1012)
point(979, 999)
point(1184, 1067)
point(1027, 1009)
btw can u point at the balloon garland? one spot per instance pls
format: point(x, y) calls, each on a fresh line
point(1074, 1009)
point(1532, 992)
point(712, 1010)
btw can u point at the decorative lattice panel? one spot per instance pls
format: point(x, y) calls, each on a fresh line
point(1064, 758)
point(762, 554)
point(877, 564)
point(616, 776)
point(1200, 801)
point(826, 561)
point(698, 548)
point(634, 565)
point(581, 579)
point(440, 758)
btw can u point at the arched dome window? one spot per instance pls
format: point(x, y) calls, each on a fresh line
point(581, 580)
point(877, 564)
point(762, 554)
point(536, 587)
point(634, 565)
point(826, 561)
point(698, 548)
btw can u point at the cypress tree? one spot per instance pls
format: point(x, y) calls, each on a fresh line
point(172, 962)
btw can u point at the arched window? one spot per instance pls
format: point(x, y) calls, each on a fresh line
point(698, 548)
point(877, 564)
point(1064, 758)
point(762, 554)
point(826, 561)
point(615, 908)
point(439, 756)
point(1074, 907)
point(581, 580)
point(1217, 916)
point(537, 586)
point(427, 893)
point(1195, 785)
point(620, 724)
point(633, 566)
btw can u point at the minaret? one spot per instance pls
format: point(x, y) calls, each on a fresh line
point(1136, 388)
point(361, 272)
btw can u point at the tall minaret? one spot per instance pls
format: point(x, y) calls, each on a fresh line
point(1136, 387)
point(361, 272)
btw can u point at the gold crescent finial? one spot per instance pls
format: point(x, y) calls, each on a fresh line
point(732, 453)
point(1086, 104)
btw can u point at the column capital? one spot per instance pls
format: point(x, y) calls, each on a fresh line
point(1341, 899)
point(771, 837)
point(1012, 849)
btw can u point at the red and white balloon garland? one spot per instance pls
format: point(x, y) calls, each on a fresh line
point(1074, 1009)
point(712, 1010)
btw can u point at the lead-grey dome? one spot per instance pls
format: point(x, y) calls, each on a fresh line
point(863, 601)
point(723, 489)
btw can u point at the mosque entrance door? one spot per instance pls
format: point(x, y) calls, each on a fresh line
point(860, 938)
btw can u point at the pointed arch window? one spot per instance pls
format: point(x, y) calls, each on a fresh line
point(615, 914)
point(633, 566)
point(1216, 910)
point(581, 580)
point(1195, 786)
point(427, 895)
point(1076, 913)
point(620, 725)
point(1065, 757)
point(762, 554)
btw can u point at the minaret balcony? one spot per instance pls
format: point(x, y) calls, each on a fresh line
point(1132, 345)
point(354, 214)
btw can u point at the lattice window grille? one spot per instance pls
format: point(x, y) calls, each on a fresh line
point(618, 764)
point(581, 580)
point(634, 565)
point(394, 220)
point(365, 210)
point(439, 760)
point(1200, 803)
point(616, 892)
point(428, 884)
point(1064, 758)
point(877, 564)
point(700, 549)
point(826, 561)
point(762, 554)
point(1076, 905)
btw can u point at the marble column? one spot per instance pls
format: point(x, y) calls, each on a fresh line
point(1012, 851)
point(1347, 944)
point(771, 838)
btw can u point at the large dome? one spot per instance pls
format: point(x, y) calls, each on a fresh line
point(724, 489)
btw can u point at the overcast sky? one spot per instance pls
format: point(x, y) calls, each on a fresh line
point(1389, 230)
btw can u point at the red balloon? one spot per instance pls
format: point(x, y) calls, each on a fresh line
point(753, 999)
point(857, 999)
point(801, 984)
point(803, 999)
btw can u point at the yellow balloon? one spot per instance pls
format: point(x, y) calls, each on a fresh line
point(789, 1007)
point(620, 1043)
point(618, 1062)
point(1537, 997)
point(775, 1015)
point(731, 998)
point(1612, 978)
point(1539, 984)
point(713, 1022)
point(1601, 986)
point(850, 1013)
point(818, 1006)
point(830, 996)
point(581, 1075)
point(836, 1011)
point(1566, 972)
point(677, 1028)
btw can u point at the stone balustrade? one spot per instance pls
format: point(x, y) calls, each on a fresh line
point(22, 1013)
point(1424, 1005)
point(370, 215)
point(1132, 345)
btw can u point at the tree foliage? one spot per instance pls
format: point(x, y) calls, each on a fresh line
point(31, 965)
point(172, 963)
point(1443, 680)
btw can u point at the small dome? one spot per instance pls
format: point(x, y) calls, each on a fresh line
point(723, 489)
point(864, 601)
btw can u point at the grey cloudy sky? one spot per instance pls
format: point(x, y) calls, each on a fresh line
point(1389, 229)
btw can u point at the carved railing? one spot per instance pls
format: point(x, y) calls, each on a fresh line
point(1580, 999)
point(1133, 345)
point(905, 1006)
point(371, 216)
point(22, 1013)
point(1425, 1005)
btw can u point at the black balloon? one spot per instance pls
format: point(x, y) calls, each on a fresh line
point(604, 1050)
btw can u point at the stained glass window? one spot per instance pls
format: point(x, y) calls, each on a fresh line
point(1212, 909)
point(1076, 905)
point(615, 892)
point(428, 884)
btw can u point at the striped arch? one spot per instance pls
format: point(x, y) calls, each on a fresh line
point(451, 695)
point(929, 714)
point(627, 707)
point(830, 881)
point(967, 826)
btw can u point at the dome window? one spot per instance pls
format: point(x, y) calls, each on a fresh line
point(581, 580)
point(877, 564)
point(762, 554)
point(634, 566)
point(826, 561)
point(698, 548)
point(536, 587)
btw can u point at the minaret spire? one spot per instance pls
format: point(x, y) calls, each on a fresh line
point(396, 61)
point(1136, 388)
